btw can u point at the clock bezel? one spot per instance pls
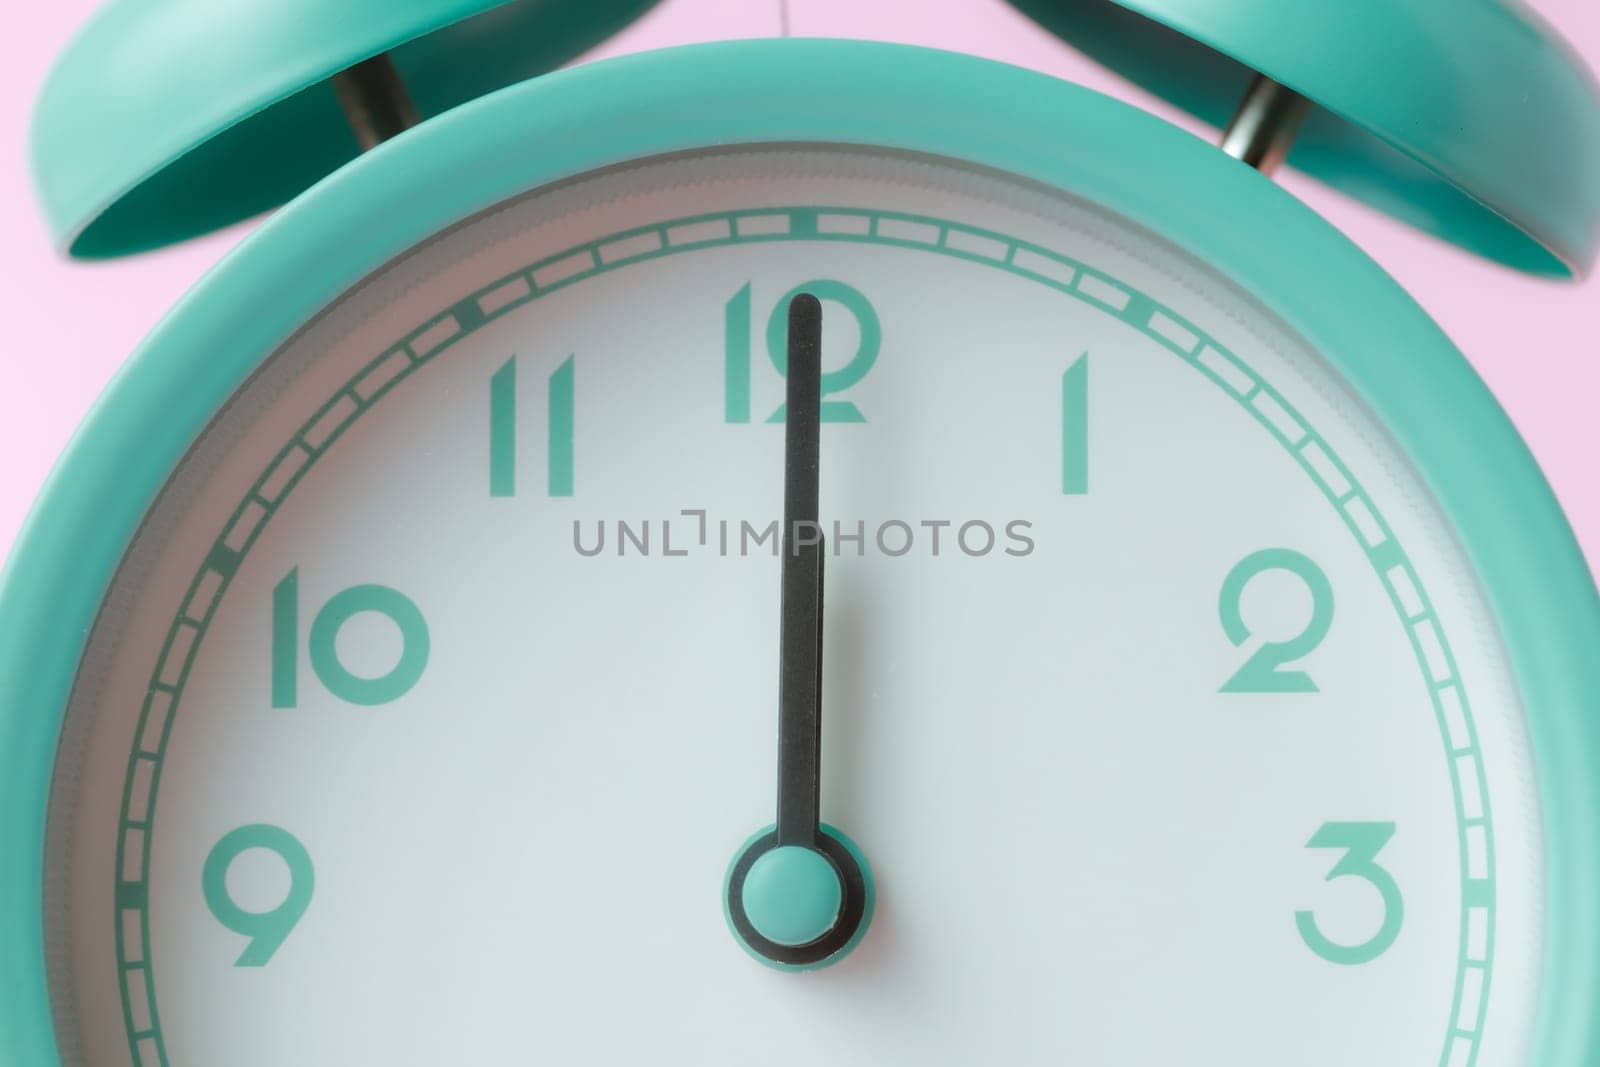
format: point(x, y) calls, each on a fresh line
point(824, 92)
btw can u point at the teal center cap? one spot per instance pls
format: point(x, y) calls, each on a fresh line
point(793, 895)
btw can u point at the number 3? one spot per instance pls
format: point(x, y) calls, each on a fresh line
point(1362, 841)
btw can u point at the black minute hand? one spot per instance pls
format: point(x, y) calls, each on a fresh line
point(799, 894)
point(800, 633)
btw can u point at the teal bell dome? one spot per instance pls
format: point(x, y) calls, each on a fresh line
point(1471, 119)
point(166, 119)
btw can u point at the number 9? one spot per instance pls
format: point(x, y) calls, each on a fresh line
point(266, 929)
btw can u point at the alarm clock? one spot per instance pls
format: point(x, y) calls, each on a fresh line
point(803, 550)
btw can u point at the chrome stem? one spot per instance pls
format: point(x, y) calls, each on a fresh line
point(1266, 124)
point(375, 100)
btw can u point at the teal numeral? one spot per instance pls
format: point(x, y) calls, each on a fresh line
point(1264, 671)
point(267, 930)
point(330, 669)
point(737, 323)
point(561, 429)
point(1362, 841)
point(286, 642)
point(1075, 428)
point(503, 430)
point(736, 358)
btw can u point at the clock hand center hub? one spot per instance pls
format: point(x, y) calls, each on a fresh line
point(793, 895)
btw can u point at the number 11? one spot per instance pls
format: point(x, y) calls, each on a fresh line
point(503, 430)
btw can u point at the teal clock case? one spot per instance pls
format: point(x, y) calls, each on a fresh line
point(973, 111)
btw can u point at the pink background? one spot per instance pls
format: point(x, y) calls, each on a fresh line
point(1537, 343)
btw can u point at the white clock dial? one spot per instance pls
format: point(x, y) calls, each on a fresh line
point(438, 692)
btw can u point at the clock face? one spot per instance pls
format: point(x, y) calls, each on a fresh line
point(438, 693)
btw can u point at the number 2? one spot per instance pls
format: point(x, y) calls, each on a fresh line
point(1264, 671)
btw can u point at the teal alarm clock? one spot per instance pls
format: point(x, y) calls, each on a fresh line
point(800, 550)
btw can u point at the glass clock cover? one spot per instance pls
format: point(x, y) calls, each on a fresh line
point(442, 674)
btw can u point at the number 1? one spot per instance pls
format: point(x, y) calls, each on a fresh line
point(1075, 428)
